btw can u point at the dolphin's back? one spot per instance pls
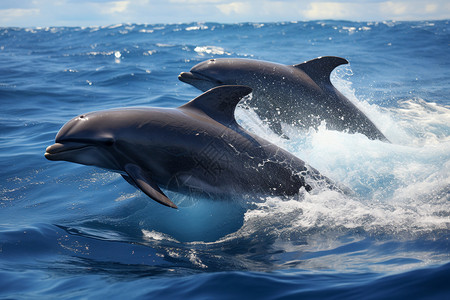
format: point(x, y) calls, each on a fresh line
point(261, 166)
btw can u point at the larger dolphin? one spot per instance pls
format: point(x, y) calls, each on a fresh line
point(301, 95)
point(195, 147)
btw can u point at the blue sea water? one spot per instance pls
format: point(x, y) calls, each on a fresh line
point(72, 231)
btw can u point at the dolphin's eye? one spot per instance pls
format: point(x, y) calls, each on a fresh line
point(107, 141)
point(212, 60)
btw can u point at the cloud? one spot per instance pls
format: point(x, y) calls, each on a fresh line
point(105, 12)
point(364, 10)
point(326, 10)
point(235, 8)
point(395, 8)
point(197, 1)
point(114, 7)
point(378, 10)
point(10, 15)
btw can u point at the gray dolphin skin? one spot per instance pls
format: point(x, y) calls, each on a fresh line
point(301, 95)
point(197, 147)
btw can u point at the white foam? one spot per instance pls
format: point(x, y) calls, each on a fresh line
point(156, 236)
point(202, 50)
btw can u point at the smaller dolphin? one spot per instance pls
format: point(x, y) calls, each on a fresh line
point(301, 95)
point(196, 147)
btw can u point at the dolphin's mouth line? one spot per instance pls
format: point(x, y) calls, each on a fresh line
point(59, 148)
point(192, 75)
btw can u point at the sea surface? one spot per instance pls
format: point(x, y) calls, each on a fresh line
point(69, 231)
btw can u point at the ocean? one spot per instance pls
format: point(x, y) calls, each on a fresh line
point(70, 231)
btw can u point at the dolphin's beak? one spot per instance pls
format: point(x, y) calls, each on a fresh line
point(188, 77)
point(55, 151)
point(199, 81)
point(192, 76)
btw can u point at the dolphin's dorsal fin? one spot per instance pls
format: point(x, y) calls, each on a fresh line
point(319, 69)
point(219, 103)
point(147, 185)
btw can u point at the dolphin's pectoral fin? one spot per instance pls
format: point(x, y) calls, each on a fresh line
point(220, 102)
point(147, 185)
point(319, 69)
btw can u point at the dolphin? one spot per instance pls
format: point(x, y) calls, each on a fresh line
point(197, 147)
point(301, 95)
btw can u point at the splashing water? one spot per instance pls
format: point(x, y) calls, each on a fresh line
point(401, 188)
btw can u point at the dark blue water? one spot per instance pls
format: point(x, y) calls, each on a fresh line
point(72, 231)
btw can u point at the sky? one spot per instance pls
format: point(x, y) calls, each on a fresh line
point(44, 13)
